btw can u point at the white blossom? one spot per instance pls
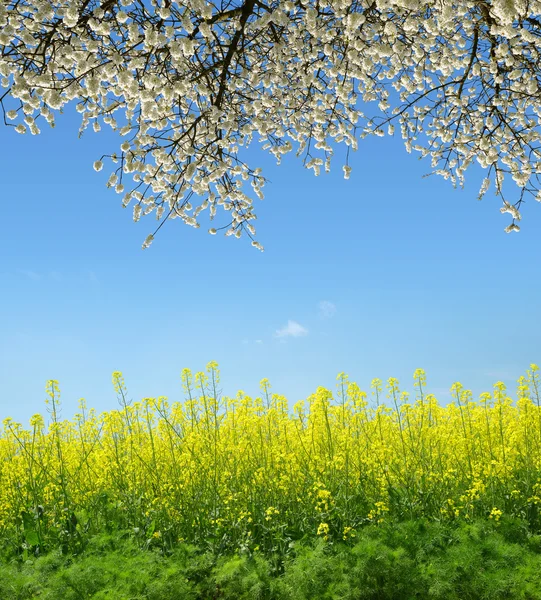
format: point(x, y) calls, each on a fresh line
point(508, 208)
point(193, 85)
point(121, 16)
point(148, 241)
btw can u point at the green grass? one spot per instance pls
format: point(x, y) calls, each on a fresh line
point(411, 560)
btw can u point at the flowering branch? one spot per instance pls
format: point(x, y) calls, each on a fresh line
point(191, 84)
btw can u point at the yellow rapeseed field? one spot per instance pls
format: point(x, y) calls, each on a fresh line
point(248, 473)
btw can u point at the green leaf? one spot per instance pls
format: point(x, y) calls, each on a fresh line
point(28, 520)
point(32, 537)
point(30, 533)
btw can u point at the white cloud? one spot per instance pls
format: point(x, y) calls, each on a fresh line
point(326, 309)
point(292, 329)
point(441, 393)
point(259, 341)
point(499, 375)
point(30, 274)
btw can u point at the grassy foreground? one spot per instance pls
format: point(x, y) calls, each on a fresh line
point(412, 560)
point(239, 497)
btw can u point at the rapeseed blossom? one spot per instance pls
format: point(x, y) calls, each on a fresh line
point(253, 474)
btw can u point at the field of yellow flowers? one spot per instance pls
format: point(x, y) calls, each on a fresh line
point(249, 474)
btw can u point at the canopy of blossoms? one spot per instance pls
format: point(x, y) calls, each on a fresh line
point(194, 83)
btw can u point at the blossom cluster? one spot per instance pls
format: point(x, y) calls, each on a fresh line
point(191, 84)
point(249, 473)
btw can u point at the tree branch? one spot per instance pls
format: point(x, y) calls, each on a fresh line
point(247, 9)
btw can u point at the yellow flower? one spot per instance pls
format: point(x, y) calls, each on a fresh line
point(420, 377)
point(495, 514)
point(323, 529)
point(270, 512)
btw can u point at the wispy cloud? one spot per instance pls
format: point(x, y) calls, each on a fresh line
point(292, 329)
point(499, 375)
point(55, 275)
point(30, 274)
point(438, 390)
point(259, 341)
point(326, 309)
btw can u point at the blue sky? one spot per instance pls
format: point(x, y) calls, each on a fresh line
point(376, 277)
